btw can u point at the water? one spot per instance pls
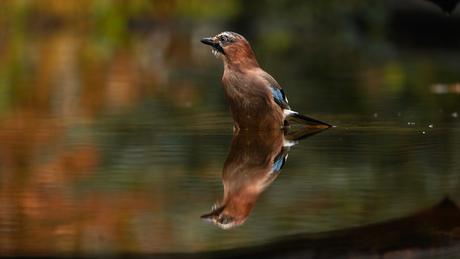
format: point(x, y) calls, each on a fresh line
point(116, 144)
point(132, 185)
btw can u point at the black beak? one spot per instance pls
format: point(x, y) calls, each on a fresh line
point(215, 45)
point(208, 41)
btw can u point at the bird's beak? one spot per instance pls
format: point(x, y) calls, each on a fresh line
point(216, 48)
point(208, 41)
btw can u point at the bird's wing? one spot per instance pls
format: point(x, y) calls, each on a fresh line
point(280, 98)
point(278, 94)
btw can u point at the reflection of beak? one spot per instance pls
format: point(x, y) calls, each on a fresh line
point(214, 214)
point(207, 217)
point(208, 41)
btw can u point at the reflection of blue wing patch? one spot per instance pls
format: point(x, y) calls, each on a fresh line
point(278, 163)
point(280, 98)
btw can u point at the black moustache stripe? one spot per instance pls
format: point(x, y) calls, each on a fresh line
point(219, 48)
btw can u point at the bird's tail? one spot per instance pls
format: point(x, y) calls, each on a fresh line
point(294, 116)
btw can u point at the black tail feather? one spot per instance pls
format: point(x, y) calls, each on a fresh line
point(305, 119)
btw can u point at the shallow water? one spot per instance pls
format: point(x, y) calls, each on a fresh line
point(112, 148)
point(140, 187)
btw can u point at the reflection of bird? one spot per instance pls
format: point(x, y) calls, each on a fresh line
point(254, 161)
point(256, 100)
point(447, 6)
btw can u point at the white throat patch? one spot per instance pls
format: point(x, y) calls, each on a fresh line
point(216, 52)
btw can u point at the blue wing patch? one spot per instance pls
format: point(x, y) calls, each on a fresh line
point(280, 98)
point(278, 163)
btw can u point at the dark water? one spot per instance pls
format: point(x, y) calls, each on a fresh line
point(113, 146)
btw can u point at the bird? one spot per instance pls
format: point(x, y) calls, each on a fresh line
point(256, 100)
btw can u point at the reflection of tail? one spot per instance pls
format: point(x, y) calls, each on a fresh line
point(294, 137)
point(294, 116)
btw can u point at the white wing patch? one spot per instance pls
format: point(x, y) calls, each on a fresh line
point(288, 112)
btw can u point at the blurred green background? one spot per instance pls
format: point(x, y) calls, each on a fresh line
point(340, 49)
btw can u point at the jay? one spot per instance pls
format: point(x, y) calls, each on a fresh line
point(256, 100)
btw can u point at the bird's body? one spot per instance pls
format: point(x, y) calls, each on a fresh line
point(246, 94)
point(256, 100)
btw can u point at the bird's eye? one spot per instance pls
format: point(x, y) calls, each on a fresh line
point(224, 38)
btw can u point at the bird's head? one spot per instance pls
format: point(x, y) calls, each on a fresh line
point(232, 47)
